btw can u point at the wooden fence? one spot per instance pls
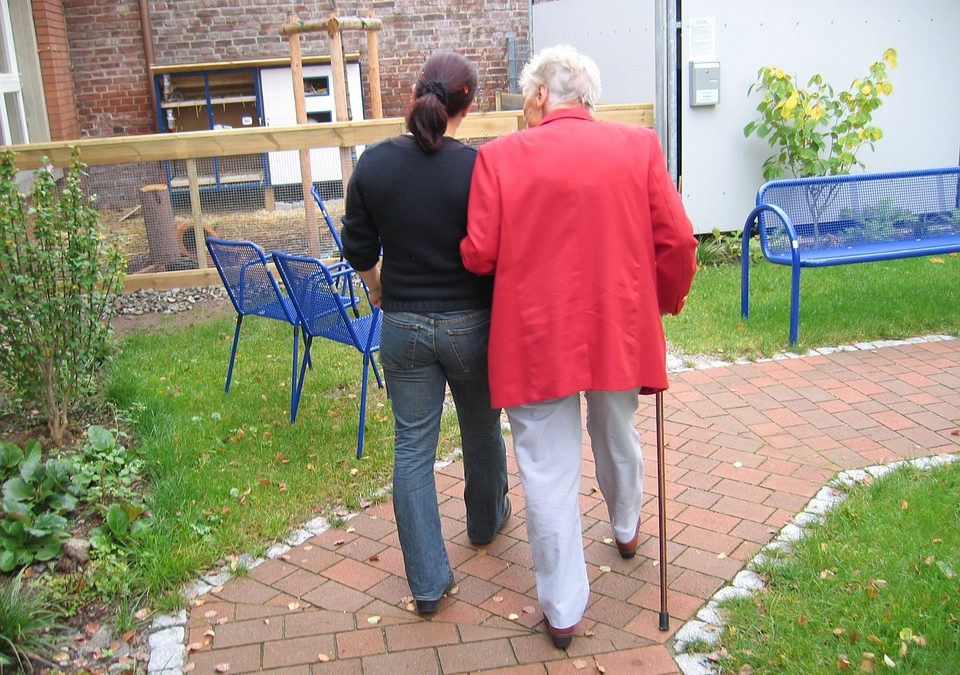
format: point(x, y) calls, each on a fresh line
point(231, 142)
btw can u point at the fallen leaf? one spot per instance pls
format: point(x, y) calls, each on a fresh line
point(737, 465)
point(948, 571)
point(838, 631)
point(938, 540)
point(454, 590)
point(600, 669)
point(351, 530)
point(888, 662)
point(293, 605)
point(745, 669)
point(843, 662)
point(826, 574)
point(903, 649)
point(528, 609)
point(194, 646)
point(373, 619)
point(142, 614)
point(354, 471)
point(604, 568)
point(802, 619)
point(513, 616)
point(868, 662)
point(222, 668)
point(189, 667)
point(608, 540)
point(904, 505)
point(721, 555)
point(588, 633)
point(874, 639)
point(91, 628)
point(498, 598)
point(322, 657)
point(210, 633)
point(374, 558)
point(937, 260)
point(579, 664)
point(919, 640)
point(339, 542)
point(212, 613)
point(128, 636)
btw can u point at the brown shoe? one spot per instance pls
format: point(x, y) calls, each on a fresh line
point(629, 549)
point(562, 637)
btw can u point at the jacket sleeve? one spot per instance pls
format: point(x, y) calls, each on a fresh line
point(480, 247)
point(675, 247)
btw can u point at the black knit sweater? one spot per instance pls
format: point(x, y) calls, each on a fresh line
point(414, 205)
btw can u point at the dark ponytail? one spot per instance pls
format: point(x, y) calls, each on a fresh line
point(445, 87)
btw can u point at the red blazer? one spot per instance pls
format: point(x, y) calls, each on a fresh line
point(589, 243)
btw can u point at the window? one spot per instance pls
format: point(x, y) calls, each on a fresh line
point(13, 124)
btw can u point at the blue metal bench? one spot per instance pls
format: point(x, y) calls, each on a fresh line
point(835, 220)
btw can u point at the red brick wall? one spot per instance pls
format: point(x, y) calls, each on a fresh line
point(109, 66)
point(54, 56)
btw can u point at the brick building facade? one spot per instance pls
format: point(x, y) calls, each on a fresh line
point(110, 77)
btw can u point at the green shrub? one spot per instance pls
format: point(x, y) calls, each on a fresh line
point(106, 470)
point(58, 282)
point(33, 527)
point(28, 623)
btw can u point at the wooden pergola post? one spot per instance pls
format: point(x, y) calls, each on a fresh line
point(334, 27)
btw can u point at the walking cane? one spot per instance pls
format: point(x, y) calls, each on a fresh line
point(662, 503)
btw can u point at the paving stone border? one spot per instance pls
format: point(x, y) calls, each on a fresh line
point(709, 622)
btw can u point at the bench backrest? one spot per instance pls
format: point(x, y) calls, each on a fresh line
point(853, 210)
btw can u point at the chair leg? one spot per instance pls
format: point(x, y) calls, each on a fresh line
point(795, 306)
point(363, 405)
point(233, 352)
point(373, 362)
point(298, 386)
point(293, 373)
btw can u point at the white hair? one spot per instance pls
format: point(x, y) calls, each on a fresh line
point(568, 75)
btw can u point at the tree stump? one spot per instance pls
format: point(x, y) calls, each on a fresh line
point(159, 223)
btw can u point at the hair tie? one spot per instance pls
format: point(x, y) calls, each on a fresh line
point(436, 88)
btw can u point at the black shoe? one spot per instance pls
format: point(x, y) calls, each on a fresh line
point(507, 512)
point(428, 607)
point(562, 637)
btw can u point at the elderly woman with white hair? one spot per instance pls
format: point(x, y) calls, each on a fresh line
point(589, 243)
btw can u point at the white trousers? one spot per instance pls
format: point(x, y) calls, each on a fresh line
point(547, 442)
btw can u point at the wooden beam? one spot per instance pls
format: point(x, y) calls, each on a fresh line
point(306, 173)
point(332, 25)
point(373, 57)
point(339, 71)
point(228, 142)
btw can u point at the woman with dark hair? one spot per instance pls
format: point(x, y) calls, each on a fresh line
point(408, 198)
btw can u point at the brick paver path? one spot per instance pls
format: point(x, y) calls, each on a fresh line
point(747, 447)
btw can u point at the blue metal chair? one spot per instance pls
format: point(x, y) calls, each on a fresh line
point(253, 290)
point(322, 312)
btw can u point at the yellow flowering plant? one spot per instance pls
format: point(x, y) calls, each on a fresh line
point(815, 131)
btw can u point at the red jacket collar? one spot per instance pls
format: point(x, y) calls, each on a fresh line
point(568, 113)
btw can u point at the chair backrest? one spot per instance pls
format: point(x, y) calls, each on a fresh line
point(321, 309)
point(250, 284)
point(318, 198)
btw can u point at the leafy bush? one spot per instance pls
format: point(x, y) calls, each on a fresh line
point(722, 248)
point(27, 624)
point(58, 282)
point(815, 131)
point(34, 500)
point(106, 469)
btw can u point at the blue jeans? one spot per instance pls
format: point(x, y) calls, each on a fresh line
point(421, 354)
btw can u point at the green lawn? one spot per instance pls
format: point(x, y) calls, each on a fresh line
point(880, 579)
point(844, 304)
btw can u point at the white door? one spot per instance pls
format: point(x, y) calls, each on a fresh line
point(276, 88)
point(13, 123)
